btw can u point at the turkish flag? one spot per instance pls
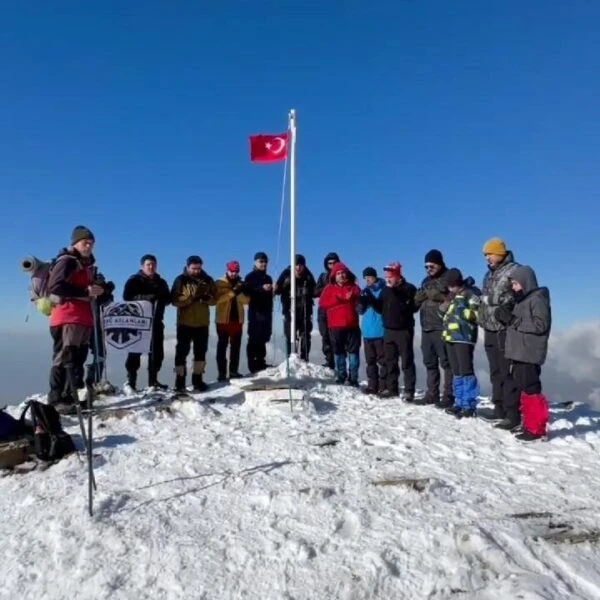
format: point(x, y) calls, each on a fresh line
point(268, 148)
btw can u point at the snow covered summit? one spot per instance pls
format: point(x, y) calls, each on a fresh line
point(346, 497)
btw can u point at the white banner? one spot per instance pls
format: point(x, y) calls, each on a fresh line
point(128, 326)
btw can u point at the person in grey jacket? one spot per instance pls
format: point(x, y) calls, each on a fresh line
point(497, 292)
point(430, 296)
point(528, 329)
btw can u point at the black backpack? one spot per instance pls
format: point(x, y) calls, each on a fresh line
point(49, 440)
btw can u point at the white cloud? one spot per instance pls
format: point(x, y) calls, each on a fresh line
point(571, 373)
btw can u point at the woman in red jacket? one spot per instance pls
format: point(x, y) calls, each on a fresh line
point(340, 300)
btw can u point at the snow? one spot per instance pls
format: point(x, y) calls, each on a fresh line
point(343, 497)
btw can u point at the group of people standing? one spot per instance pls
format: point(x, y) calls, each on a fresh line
point(512, 310)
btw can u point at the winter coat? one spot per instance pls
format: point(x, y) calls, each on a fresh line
point(528, 332)
point(69, 278)
point(261, 301)
point(372, 321)
point(340, 301)
point(460, 318)
point(323, 281)
point(432, 293)
point(193, 296)
point(230, 300)
point(153, 289)
point(397, 306)
point(305, 290)
point(497, 291)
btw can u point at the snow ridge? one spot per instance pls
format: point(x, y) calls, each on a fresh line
point(346, 497)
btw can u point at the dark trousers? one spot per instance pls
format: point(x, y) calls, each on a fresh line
point(260, 327)
point(186, 338)
point(155, 357)
point(461, 359)
point(229, 334)
point(526, 377)
point(346, 343)
point(505, 395)
point(398, 345)
point(69, 351)
point(303, 334)
point(326, 338)
point(376, 367)
point(435, 355)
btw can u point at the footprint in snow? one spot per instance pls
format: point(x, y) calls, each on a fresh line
point(348, 527)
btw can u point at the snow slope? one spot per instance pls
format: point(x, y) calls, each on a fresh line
point(345, 497)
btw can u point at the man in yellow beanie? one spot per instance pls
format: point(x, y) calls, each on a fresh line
point(497, 291)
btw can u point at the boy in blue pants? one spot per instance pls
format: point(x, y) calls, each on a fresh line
point(460, 335)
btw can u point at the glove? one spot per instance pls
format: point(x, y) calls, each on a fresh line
point(238, 288)
point(421, 296)
point(469, 282)
point(366, 299)
point(504, 315)
point(148, 297)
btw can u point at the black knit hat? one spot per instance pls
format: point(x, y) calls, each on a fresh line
point(81, 233)
point(300, 260)
point(148, 257)
point(369, 272)
point(454, 278)
point(435, 257)
point(261, 256)
point(193, 260)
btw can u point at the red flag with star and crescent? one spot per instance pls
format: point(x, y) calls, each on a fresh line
point(268, 148)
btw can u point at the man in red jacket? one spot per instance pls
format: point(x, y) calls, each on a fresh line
point(339, 300)
point(71, 283)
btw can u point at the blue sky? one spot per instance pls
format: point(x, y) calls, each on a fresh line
point(421, 124)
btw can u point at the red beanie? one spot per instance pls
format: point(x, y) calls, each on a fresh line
point(233, 266)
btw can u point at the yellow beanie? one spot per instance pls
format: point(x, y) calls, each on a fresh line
point(495, 246)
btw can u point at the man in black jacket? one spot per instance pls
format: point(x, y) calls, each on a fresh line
point(324, 278)
point(396, 304)
point(148, 285)
point(430, 296)
point(305, 291)
point(258, 285)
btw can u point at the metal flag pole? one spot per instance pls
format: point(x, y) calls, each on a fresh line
point(292, 130)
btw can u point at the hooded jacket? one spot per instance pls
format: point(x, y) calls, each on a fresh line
point(340, 301)
point(528, 332)
point(372, 321)
point(497, 291)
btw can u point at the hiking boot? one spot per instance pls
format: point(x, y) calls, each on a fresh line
point(454, 411)
point(157, 385)
point(129, 390)
point(410, 398)
point(369, 391)
point(527, 436)
point(466, 413)
point(507, 425)
point(180, 383)
point(65, 408)
point(425, 401)
point(235, 375)
point(352, 383)
point(444, 403)
point(340, 380)
point(491, 415)
point(388, 394)
point(222, 378)
point(198, 383)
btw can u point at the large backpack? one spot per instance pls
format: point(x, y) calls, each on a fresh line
point(49, 440)
point(38, 286)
